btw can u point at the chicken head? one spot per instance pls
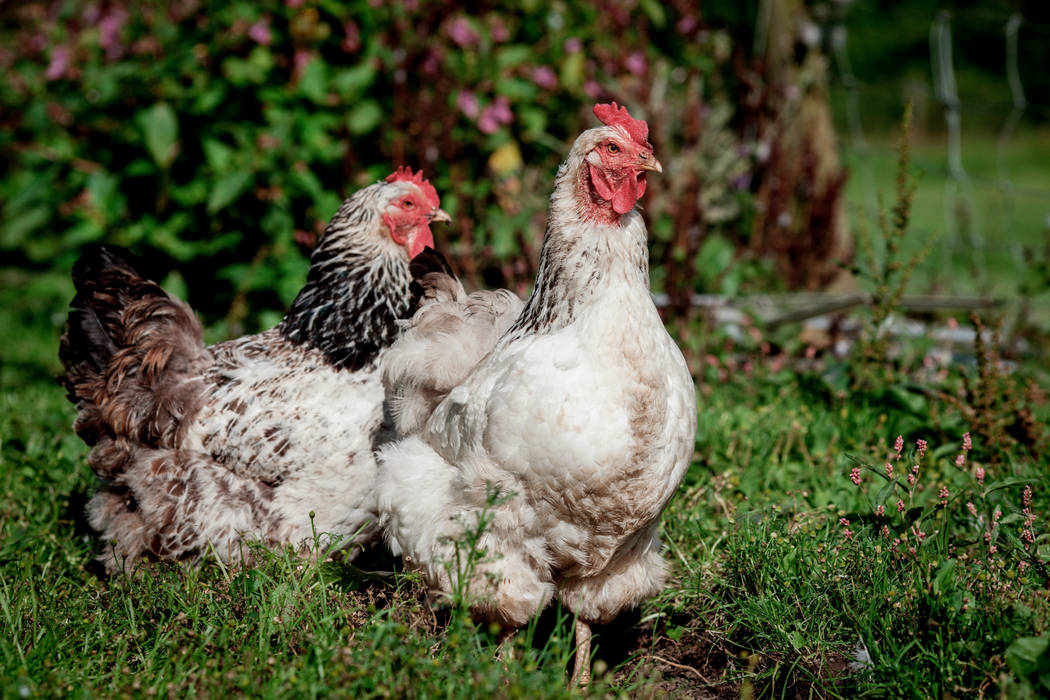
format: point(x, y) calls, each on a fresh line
point(618, 162)
point(409, 213)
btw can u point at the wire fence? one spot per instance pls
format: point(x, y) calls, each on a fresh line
point(965, 229)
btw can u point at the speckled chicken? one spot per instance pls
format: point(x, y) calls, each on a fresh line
point(579, 410)
point(199, 447)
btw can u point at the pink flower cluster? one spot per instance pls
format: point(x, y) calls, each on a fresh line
point(461, 33)
point(846, 532)
point(491, 117)
point(1029, 517)
point(854, 476)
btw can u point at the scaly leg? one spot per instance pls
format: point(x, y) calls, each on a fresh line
point(505, 650)
point(582, 672)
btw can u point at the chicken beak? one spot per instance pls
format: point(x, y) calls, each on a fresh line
point(647, 161)
point(439, 215)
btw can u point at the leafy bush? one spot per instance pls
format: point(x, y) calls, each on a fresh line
point(221, 138)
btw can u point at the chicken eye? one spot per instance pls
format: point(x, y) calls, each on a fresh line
point(613, 148)
point(408, 204)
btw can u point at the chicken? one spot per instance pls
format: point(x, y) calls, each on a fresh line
point(581, 416)
point(269, 436)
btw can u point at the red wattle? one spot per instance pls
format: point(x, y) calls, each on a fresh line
point(421, 238)
point(602, 185)
point(623, 196)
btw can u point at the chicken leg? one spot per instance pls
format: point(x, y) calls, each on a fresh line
point(581, 674)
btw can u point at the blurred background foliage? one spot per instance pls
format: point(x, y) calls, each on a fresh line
point(217, 139)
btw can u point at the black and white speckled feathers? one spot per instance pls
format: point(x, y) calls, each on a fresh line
point(357, 287)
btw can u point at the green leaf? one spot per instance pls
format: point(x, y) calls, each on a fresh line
point(364, 117)
point(1005, 483)
point(228, 188)
point(217, 154)
point(572, 70)
point(252, 70)
point(1024, 653)
point(160, 129)
point(351, 82)
point(314, 81)
point(654, 10)
point(510, 56)
point(517, 89)
point(17, 229)
point(942, 575)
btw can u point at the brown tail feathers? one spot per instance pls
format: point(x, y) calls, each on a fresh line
point(132, 353)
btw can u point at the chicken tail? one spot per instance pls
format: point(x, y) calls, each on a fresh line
point(433, 279)
point(450, 332)
point(131, 352)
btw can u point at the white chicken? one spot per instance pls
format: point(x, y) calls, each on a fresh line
point(582, 414)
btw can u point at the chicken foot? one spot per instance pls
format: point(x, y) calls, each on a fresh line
point(581, 674)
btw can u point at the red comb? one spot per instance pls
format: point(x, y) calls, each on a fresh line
point(613, 115)
point(405, 173)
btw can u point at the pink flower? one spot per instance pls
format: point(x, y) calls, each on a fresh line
point(889, 470)
point(843, 522)
point(572, 45)
point(900, 506)
point(687, 24)
point(300, 59)
point(545, 78)
point(61, 59)
point(997, 514)
point(915, 469)
point(1021, 566)
point(592, 89)
point(499, 31)
point(468, 104)
point(943, 495)
point(919, 534)
point(352, 40)
point(294, 3)
point(854, 476)
point(636, 63)
point(880, 511)
point(921, 444)
point(461, 32)
point(1028, 535)
point(847, 534)
point(967, 443)
point(885, 532)
point(993, 549)
point(109, 31)
point(487, 122)
point(495, 114)
point(1026, 498)
point(501, 108)
point(960, 460)
point(898, 444)
point(431, 63)
point(972, 508)
point(260, 32)
point(979, 473)
point(911, 480)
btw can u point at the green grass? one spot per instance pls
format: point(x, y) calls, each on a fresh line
point(979, 245)
point(781, 565)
